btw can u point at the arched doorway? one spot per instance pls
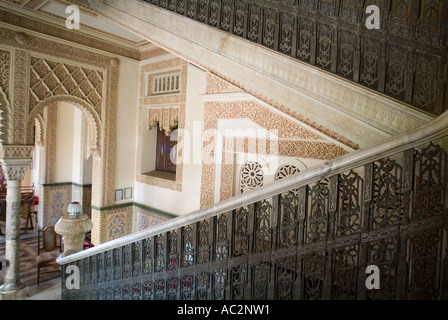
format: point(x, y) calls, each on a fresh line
point(65, 131)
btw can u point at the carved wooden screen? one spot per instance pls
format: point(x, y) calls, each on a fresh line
point(406, 58)
point(312, 242)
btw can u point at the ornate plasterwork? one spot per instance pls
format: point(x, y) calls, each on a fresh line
point(15, 160)
point(50, 78)
point(5, 67)
point(217, 85)
point(294, 139)
point(251, 176)
point(165, 108)
point(5, 109)
point(166, 117)
point(286, 170)
point(14, 172)
point(281, 148)
point(93, 119)
point(39, 131)
point(50, 116)
point(102, 120)
point(5, 118)
point(66, 34)
point(19, 101)
point(16, 152)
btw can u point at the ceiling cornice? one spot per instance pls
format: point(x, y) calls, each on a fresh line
point(50, 25)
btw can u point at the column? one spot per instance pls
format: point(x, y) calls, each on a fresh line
point(14, 168)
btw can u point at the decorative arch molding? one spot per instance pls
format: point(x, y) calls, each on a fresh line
point(92, 117)
point(5, 119)
point(54, 71)
point(39, 132)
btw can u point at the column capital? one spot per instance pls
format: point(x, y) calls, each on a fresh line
point(15, 172)
point(15, 160)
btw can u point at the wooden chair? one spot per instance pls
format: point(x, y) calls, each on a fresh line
point(28, 212)
point(46, 249)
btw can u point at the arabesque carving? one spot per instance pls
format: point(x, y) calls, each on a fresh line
point(166, 117)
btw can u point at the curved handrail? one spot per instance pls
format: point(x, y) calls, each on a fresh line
point(426, 133)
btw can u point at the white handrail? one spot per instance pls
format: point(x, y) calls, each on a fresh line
point(426, 133)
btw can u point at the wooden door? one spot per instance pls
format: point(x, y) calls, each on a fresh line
point(165, 145)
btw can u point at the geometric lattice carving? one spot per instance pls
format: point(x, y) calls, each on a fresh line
point(285, 171)
point(4, 71)
point(5, 112)
point(251, 176)
point(50, 78)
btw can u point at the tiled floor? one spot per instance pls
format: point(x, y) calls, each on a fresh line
point(47, 290)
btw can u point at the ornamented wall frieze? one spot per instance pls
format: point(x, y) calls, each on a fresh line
point(296, 140)
point(166, 117)
point(16, 152)
point(65, 34)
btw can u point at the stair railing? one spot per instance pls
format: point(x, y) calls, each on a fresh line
point(308, 236)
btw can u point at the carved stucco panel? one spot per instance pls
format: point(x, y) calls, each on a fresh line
point(5, 68)
point(296, 141)
point(68, 57)
point(179, 99)
point(19, 99)
point(49, 78)
point(5, 113)
point(14, 172)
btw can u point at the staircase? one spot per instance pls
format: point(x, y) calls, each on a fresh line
point(310, 57)
point(402, 58)
point(308, 236)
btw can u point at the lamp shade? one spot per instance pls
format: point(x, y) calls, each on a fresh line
point(74, 209)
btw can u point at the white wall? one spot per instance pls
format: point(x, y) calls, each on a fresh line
point(87, 159)
point(126, 123)
point(148, 147)
point(64, 142)
point(73, 163)
point(77, 147)
point(187, 200)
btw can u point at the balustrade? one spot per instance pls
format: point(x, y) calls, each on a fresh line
point(309, 236)
point(406, 58)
